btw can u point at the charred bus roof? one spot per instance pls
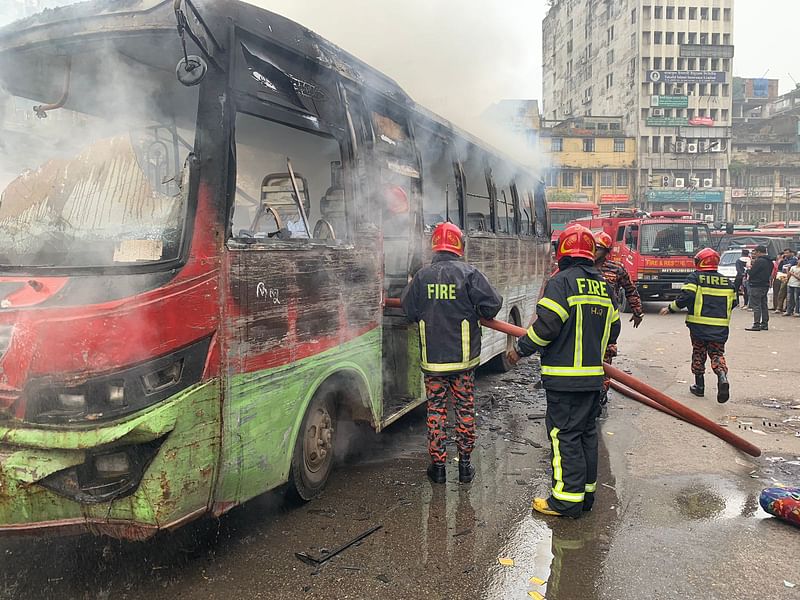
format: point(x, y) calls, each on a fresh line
point(95, 18)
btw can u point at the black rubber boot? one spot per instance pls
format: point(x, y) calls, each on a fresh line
point(466, 471)
point(699, 387)
point(723, 388)
point(436, 473)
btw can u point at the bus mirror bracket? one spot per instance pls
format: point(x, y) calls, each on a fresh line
point(192, 69)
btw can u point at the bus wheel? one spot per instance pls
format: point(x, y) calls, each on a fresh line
point(500, 363)
point(313, 452)
point(624, 306)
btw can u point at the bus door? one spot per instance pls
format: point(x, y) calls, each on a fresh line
point(398, 192)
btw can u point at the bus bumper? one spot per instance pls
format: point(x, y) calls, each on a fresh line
point(658, 290)
point(126, 479)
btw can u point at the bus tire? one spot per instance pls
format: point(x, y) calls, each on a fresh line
point(624, 305)
point(312, 459)
point(500, 363)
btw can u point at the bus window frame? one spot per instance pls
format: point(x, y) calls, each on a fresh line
point(481, 156)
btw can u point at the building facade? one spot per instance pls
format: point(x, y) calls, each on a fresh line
point(591, 161)
point(765, 166)
point(666, 67)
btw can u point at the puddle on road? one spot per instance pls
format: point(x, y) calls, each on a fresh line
point(717, 499)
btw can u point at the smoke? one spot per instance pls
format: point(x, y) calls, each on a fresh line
point(454, 57)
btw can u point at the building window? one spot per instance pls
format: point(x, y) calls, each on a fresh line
point(645, 38)
point(715, 64)
point(704, 13)
point(670, 38)
point(606, 179)
point(633, 16)
point(725, 115)
point(681, 13)
point(587, 179)
point(681, 38)
point(704, 39)
point(658, 12)
point(568, 179)
point(619, 145)
point(715, 14)
point(727, 14)
point(692, 13)
point(726, 38)
point(609, 81)
point(556, 144)
point(588, 144)
point(569, 46)
point(715, 39)
point(692, 38)
point(656, 144)
point(657, 37)
point(622, 179)
point(610, 34)
point(669, 63)
point(670, 12)
point(610, 57)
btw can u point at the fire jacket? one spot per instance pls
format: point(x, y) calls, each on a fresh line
point(577, 318)
point(709, 297)
point(617, 277)
point(447, 299)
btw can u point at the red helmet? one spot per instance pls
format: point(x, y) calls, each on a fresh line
point(603, 240)
point(706, 260)
point(447, 237)
point(575, 241)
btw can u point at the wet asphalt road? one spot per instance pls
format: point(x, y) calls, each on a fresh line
point(435, 541)
point(676, 516)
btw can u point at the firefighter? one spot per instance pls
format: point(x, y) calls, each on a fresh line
point(709, 298)
point(619, 280)
point(577, 319)
point(447, 299)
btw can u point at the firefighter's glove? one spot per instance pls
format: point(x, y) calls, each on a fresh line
point(636, 320)
point(513, 356)
point(611, 350)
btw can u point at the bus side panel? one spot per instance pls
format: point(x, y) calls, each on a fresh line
point(515, 266)
point(296, 315)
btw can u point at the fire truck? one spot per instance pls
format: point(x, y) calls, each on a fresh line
point(657, 249)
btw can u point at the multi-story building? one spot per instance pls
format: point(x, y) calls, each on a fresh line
point(751, 96)
point(666, 67)
point(591, 160)
point(765, 166)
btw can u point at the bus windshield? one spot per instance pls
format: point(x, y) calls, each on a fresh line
point(92, 147)
point(560, 217)
point(674, 239)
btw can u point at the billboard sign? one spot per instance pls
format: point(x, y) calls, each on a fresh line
point(705, 196)
point(670, 102)
point(760, 88)
point(706, 51)
point(686, 76)
point(615, 199)
point(702, 121)
point(666, 121)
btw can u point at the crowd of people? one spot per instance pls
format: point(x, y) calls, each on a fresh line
point(757, 273)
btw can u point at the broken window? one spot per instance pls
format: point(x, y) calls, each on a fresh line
point(289, 183)
point(440, 198)
point(477, 192)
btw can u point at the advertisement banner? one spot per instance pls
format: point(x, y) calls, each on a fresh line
point(683, 195)
point(667, 121)
point(702, 121)
point(686, 76)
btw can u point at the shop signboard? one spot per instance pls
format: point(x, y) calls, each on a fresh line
point(670, 101)
point(667, 121)
point(684, 195)
point(686, 76)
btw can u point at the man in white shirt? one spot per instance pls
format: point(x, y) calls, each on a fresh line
point(793, 292)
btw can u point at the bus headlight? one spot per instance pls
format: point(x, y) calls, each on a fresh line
point(108, 397)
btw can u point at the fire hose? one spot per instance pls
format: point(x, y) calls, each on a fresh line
point(642, 392)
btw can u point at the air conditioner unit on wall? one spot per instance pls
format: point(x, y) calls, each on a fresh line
point(708, 206)
point(694, 182)
point(691, 148)
point(680, 182)
point(709, 218)
point(657, 112)
point(680, 147)
point(707, 183)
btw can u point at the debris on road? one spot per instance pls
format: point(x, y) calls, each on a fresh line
point(506, 562)
point(789, 584)
point(535, 595)
point(536, 581)
point(315, 562)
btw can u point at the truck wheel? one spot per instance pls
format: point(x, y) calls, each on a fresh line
point(312, 460)
point(624, 306)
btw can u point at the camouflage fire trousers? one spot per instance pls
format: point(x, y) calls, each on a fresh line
point(440, 389)
point(714, 350)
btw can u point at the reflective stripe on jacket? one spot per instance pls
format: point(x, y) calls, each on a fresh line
point(577, 319)
point(447, 299)
point(709, 297)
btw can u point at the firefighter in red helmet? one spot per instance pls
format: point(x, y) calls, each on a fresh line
point(709, 297)
point(617, 277)
point(448, 298)
point(577, 319)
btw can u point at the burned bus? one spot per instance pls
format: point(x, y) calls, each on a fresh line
point(204, 209)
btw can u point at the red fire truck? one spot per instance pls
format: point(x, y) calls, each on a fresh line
point(657, 248)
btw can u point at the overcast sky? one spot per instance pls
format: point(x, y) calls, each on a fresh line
point(459, 56)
